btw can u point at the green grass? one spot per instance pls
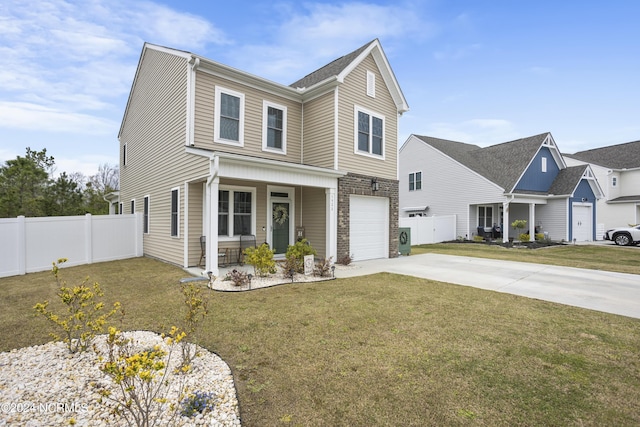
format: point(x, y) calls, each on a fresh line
point(595, 257)
point(379, 350)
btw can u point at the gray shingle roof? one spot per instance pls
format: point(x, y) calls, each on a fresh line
point(619, 156)
point(502, 164)
point(330, 70)
point(567, 180)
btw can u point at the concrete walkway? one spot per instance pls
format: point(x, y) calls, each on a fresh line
point(616, 293)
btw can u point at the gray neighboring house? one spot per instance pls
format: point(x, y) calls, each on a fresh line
point(617, 168)
point(493, 186)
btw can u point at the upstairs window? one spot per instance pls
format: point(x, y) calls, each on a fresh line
point(229, 117)
point(415, 181)
point(274, 132)
point(369, 133)
point(614, 181)
point(544, 164)
point(133, 206)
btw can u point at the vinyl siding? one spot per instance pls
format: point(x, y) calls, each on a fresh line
point(154, 130)
point(195, 200)
point(319, 128)
point(534, 179)
point(354, 92)
point(553, 218)
point(448, 188)
point(204, 119)
point(314, 218)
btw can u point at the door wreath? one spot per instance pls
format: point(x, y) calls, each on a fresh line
point(280, 214)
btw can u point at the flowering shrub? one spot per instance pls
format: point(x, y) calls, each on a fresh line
point(141, 377)
point(83, 319)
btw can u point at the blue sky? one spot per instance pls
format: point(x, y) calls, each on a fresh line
point(481, 72)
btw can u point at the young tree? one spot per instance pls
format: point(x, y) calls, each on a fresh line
point(98, 186)
point(23, 182)
point(63, 197)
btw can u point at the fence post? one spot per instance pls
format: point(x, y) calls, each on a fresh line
point(88, 239)
point(21, 245)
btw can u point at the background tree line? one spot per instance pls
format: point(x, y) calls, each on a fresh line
point(27, 187)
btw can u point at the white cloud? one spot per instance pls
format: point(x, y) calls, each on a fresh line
point(22, 115)
point(67, 65)
point(315, 33)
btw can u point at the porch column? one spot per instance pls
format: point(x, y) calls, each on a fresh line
point(532, 222)
point(331, 222)
point(211, 226)
point(505, 225)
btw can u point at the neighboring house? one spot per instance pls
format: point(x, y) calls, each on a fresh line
point(208, 150)
point(617, 168)
point(526, 179)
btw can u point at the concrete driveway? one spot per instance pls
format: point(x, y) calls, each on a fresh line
point(616, 293)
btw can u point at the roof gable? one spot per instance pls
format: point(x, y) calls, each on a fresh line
point(619, 156)
point(568, 180)
point(503, 164)
point(337, 70)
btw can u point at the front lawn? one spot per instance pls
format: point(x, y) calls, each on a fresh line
point(379, 350)
point(595, 257)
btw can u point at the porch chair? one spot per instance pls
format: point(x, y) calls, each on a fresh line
point(246, 241)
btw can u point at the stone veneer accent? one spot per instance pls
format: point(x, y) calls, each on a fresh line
point(361, 185)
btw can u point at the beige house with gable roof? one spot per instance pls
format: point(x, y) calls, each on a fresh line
point(209, 151)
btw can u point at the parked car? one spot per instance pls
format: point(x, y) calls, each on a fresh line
point(624, 236)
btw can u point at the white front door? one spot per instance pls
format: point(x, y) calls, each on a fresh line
point(582, 223)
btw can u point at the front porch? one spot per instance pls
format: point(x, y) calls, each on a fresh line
point(274, 202)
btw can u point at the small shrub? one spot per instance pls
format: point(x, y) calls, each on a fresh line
point(524, 237)
point(262, 260)
point(290, 266)
point(83, 319)
point(323, 268)
point(197, 403)
point(539, 236)
point(197, 309)
point(478, 238)
point(346, 260)
point(299, 250)
point(238, 277)
point(141, 377)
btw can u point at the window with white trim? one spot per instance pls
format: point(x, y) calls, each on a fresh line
point(274, 127)
point(544, 164)
point(415, 181)
point(145, 213)
point(175, 209)
point(124, 155)
point(614, 181)
point(236, 212)
point(229, 117)
point(485, 216)
point(369, 130)
point(133, 206)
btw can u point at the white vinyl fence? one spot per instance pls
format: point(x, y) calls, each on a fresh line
point(430, 229)
point(28, 245)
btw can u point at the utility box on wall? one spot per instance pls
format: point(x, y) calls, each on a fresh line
point(404, 240)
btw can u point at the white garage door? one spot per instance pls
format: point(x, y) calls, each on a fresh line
point(369, 227)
